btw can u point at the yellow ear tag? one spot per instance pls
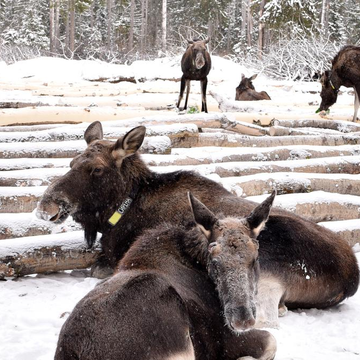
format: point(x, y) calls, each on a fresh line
point(116, 216)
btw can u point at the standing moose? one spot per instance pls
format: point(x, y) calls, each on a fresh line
point(345, 71)
point(246, 91)
point(110, 176)
point(195, 65)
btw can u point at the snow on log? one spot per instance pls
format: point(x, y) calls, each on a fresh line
point(345, 164)
point(205, 155)
point(237, 140)
point(286, 183)
point(282, 131)
point(317, 206)
point(338, 125)
point(349, 230)
point(20, 199)
point(70, 149)
point(46, 253)
point(67, 133)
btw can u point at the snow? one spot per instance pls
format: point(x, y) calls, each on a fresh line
point(33, 308)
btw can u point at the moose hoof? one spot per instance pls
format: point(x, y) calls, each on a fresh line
point(101, 271)
point(283, 310)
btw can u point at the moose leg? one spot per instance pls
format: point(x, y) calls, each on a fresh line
point(182, 88)
point(187, 93)
point(270, 292)
point(250, 345)
point(356, 104)
point(203, 84)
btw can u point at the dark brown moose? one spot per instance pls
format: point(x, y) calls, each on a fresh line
point(345, 71)
point(162, 303)
point(307, 265)
point(195, 65)
point(246, 90)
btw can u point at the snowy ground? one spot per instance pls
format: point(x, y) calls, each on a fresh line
point(33, 308)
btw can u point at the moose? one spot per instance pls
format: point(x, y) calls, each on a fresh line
point(246, 90)
point(110, 190)
point(195, 65)
point(162, 302)
point(345, 71)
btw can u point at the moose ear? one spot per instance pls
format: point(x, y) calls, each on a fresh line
point(93, 132)
point(206, 40)
point(129, 144)
point(257, 219)
point(253, 77)
point(242, 76)
point(204, 218)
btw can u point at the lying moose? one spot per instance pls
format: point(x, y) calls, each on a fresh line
point(110, 190)
point(345, 71)
point(246, 90)
point(162, 304)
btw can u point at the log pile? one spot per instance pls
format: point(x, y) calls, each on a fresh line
point(314, 165)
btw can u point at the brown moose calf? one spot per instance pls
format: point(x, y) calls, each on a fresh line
point(162, 303)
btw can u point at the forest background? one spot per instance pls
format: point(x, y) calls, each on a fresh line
point(285, 39)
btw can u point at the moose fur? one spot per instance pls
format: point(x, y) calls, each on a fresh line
point(161, 304)
point(195, 65)
point(345, 71)
point(246, 90)
point(308, 265)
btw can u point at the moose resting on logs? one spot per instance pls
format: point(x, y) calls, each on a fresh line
point(345, 71)
point(161, 303)
point(246, 90)
point(195, 65)
point(303, 264)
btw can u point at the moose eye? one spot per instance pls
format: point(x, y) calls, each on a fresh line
point(97, 171)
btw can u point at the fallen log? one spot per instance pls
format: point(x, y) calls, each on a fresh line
point(338, 125)
point(70, 149)
point(20, 199)
point(349, 230)
point(46, 253)
point(318, 206)
point(345, 164)
point(288, 183)
point(283, 131)
point(236, 140)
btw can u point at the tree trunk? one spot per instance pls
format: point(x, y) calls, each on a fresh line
point(261, 40)
point(57, 25)
point(109, 25)
point(324, 22)
point(131, 31)
point(164, 30)
point(72, 28)
point(51, 24)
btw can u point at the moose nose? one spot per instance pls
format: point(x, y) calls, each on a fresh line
point(240, 318)
point(48, 212)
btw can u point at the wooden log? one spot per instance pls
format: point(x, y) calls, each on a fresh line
point(339, 125)
point(282, 131)
point(15, 104)
point(46, 253)
point(287, 183)
point(318, 206)
point(67, 133)
point(70, 149)
point(349, 230)
point(236, 140)
point(345, 164)
point(20, 199)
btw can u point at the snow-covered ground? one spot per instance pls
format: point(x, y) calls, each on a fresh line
point(33, 308)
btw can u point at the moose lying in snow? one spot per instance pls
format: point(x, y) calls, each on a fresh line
point(246, 91)
point(195, 65)
point(162, 304)
point(110, 190)
point(345, 71)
